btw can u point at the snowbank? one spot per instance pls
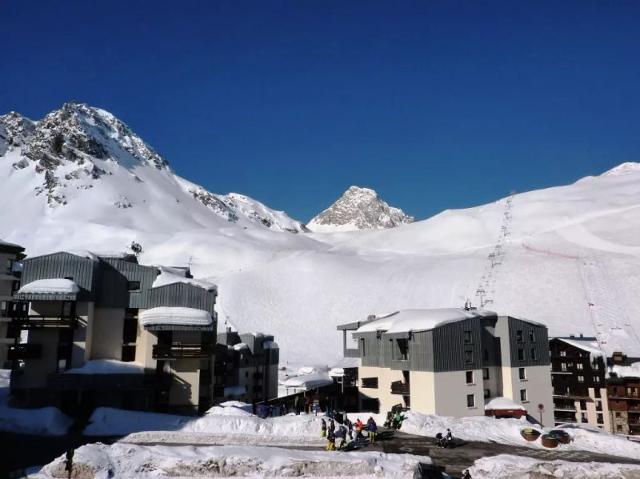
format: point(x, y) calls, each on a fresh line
point(107, 366)
point(50, 286)
point(46, 421)
point(502, 403)
point(507, 431)
point(170, 275)
point(507, 467)
point(220, 427)
point(127, 460)
point(631, 371)
point(175, 316)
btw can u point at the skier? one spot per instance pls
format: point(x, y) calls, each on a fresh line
point(332, 425)
point(449, 436)
point(359, 427)
point(323, 428)
point(466, 474)
point(331, 441)
point(349, 426)
point(397, 420)
point(341, 434)
point(372, 427)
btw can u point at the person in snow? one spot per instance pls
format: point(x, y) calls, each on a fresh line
point(349, 426)
point(332, 425)
point(331, 441)
point(449, 436)
point(341, 434)
point(372, 427)
point(323, 428)
point(466, 474)
point(397, 420)
point(359, 427)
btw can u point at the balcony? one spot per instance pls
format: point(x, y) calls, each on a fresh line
point(44, 322)
point(399, 387)
point(24, 351)
point(182, 351)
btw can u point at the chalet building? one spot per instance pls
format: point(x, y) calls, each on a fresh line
point(10, 256)
point(624, 404)
point(578, 377)
point(451, 362)
point(107, 331)
point(246, 367)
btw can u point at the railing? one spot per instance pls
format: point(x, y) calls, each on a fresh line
point(24, 351)
point(398, 387)
point(41, 322)
point(180, 351)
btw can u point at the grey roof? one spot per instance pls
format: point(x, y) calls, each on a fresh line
point(10, 247)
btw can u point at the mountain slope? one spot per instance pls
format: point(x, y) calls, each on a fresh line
point(358, 209)
point(82, 162)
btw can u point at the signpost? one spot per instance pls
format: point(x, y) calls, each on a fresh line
point(541, 410)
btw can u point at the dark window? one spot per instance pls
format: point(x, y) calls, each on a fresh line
point(468, 356)
point(598, 405)
point(9, 264)
point(471, 400)
point(371, 383)
point(522, 373)
point(130, 329)
point(523, 395)
point(362, 348)
point(519, 335)
point(128, 352)
point(487, 393)
point(15, 286)
point(403, 349)
point(467, 337)
point(532, 336)
point(596, 392)
point(583, 405)
point(485, 373)
point(469, 376)
point(133, 285)
point(3, 308)
point(520, 354)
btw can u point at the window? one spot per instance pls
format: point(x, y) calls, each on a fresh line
point(62, 365)
point(9, 264)
point(468, 356)
point(487, 393)
point(618, 414)
point(595, 366)
point(522, 374)
point(583, 417)
point(619, 428)
point(523, 395)
point(133, 286)
point(67, 309)
point(128, 353)
point(534, 355)
point(471, 400)
point(3, 308)
point(583, 404)
point(371, 383)
point(362, 349)
point(563, 353)
point(563, 367)
point(467, 337)
point(519, 335)
point(130, 330)
point(520, 354)
point(532, 336)
point(596, 379)
point(469, 376)
point(579, 366)
point(598, 405)
point(485, 373)
point(402, 349)
point(596, 392)
point(580, 379)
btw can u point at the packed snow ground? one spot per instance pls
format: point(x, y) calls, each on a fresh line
point(126, 460)
point(507, 431)
point(509, 467)
point(571, 254)
point(221, 425)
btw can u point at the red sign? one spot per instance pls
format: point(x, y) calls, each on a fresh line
point(540, 407)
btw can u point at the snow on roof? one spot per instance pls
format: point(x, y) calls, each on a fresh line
point(175, 318)
point(337, 371)
point(6, 244)
point(421, 319)
point(107, 366)
point(171, 275)
point(502, 403)
point(50, 286)
point(631, 371)
point(589, 345)
point(240, 346)
point(309, 381)
point(83, 253)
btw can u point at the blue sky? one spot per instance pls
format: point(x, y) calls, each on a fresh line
point(435, 104)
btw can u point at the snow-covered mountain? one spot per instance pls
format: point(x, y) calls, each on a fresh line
point(567, 256)
point(359, 209)
point(83, 158)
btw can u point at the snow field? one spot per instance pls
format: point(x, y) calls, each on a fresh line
point(99, 461)
point(507, 431)
point(509, 467)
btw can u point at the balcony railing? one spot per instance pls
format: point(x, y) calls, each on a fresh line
point(42, 322)
point(398, 387)
point(182, 351)
point(24, 351)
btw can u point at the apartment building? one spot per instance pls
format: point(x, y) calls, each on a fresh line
point(106, 331)
point(624, 404)
point(246, 367)
point(10, 256)
point(451, 362)
point(579, 375)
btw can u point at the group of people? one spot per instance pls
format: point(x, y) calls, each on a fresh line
point(346, 430)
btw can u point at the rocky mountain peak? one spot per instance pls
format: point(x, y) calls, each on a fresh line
point(359, 209)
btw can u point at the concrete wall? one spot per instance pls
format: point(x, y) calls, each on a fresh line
point(106, 335)
point(537, 383)
point(592, 413)
point(185, 387)
point(422, 385)
point(383, 392)
point(451, 390)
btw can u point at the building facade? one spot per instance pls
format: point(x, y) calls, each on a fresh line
point(451, 362)
point(10, 266)
point(246, 367)
point(578, 371)
point(107, 331)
